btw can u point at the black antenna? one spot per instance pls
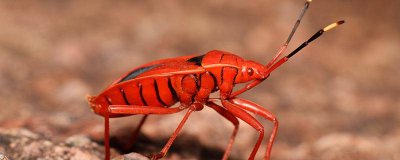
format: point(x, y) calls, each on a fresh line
point(315, 36)
point(312, 38)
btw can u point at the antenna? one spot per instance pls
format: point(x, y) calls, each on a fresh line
point(306, 5)
point(296, 25)
point(312, 38)
point(315, 36)
point(272, 65)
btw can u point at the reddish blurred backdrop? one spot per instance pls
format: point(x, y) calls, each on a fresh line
point(337, 99)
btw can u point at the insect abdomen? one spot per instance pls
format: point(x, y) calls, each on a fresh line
point(147, 92)
point(163, 91)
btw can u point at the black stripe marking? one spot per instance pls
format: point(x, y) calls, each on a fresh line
point(222, 69)
point(141, 94)
point(171, 88)
point(196, 60)
point(220, 59)
point(215, 82)
point(137, 72)
point(222, 75)
point(199, 82)
point(124, 95)
point(158, 93)
point(234, 78)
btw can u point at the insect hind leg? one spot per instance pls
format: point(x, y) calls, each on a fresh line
point(135, 133)
point(130, 110)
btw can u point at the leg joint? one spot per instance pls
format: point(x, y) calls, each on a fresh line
point(260, 129)
point(275, 120)
point(197, 106)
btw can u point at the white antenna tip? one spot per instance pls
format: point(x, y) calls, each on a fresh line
point(333, 25)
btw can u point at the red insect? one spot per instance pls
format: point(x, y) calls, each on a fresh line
point(155, 87)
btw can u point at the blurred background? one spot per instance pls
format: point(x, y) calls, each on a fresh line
point(337, 99)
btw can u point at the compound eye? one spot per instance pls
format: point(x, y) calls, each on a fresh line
point(250, 71)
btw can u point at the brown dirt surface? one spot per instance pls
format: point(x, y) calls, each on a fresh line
point(337, 99)
point(23, 144)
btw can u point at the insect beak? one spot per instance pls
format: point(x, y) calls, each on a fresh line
point(262, 75)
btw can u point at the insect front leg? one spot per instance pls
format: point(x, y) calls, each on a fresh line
point(261, 111)
point(246, 117)
point(229, 116)
point(246, 88)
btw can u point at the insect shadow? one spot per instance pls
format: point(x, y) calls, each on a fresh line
point(186, 146)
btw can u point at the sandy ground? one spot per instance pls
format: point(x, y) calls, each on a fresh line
point(337, 99)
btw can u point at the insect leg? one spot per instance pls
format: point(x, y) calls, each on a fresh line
point(171, 139)
point(130, 110)
point(247, 87)
point(259, 110)
point(133, 109)
point(227, 115)
point(246, 117)
point(106, 134)
point(136, 132)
